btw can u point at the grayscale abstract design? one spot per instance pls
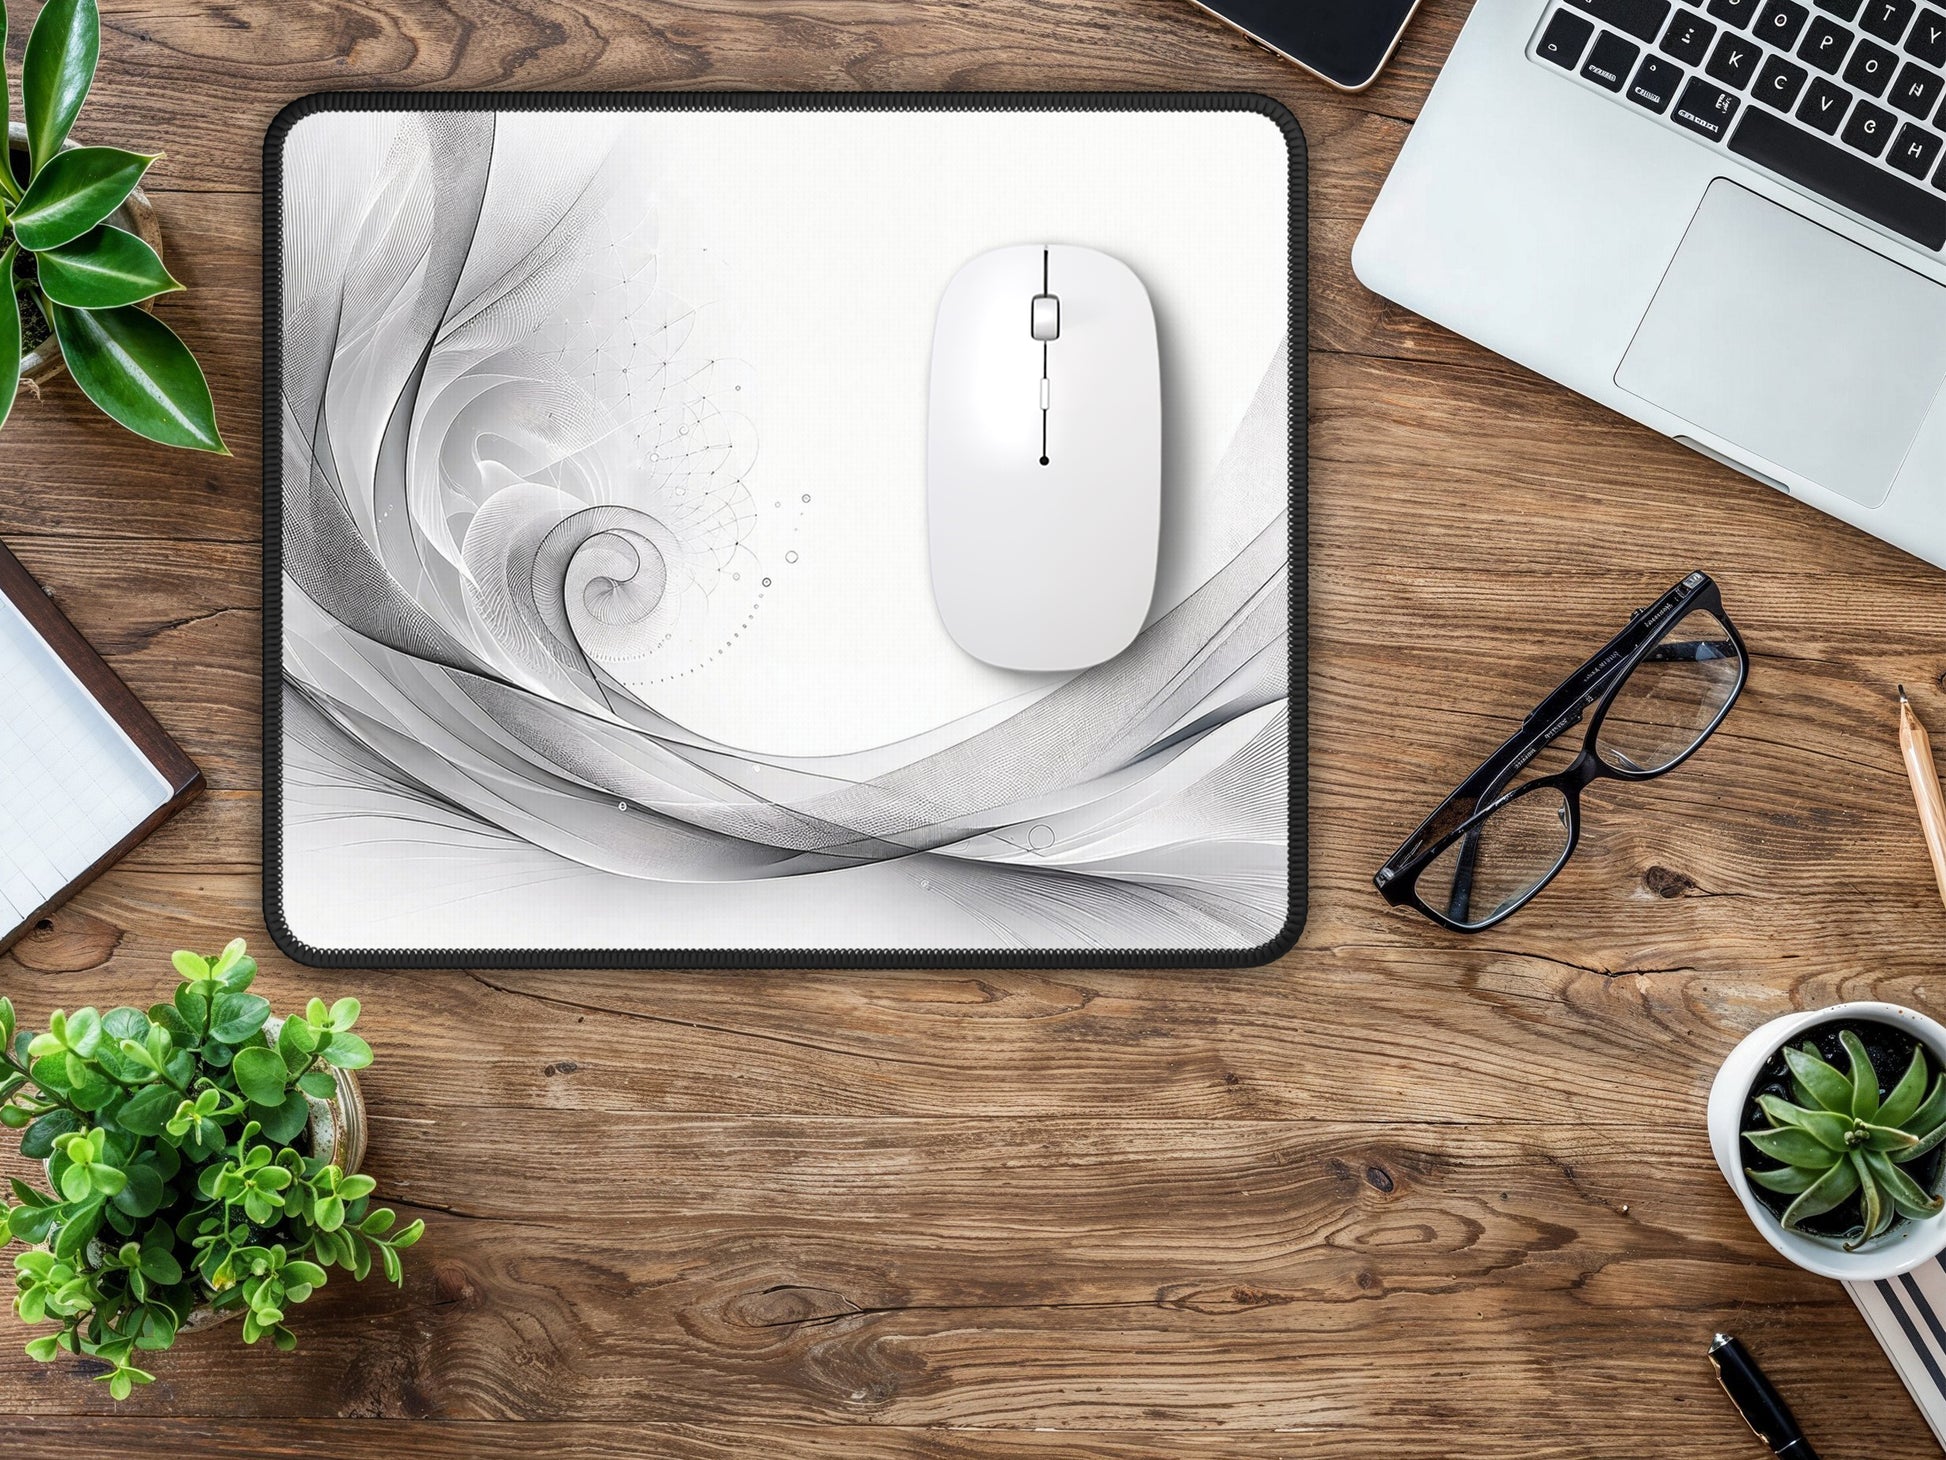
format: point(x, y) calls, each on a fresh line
point(520, 492)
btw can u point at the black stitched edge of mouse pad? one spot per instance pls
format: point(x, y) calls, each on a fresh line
point(356, 623)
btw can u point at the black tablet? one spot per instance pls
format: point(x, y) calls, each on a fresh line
point(1347, 42)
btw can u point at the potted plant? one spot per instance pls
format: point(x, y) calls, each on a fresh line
point(1830, 1127)
point(78, 255)
point(201, 1161)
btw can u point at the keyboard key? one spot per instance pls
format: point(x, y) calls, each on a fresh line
point(1843, 177)
point(1825, 44)
point(1870, 128)
point(1914, 151)
point(1916, 90)
point(1870, 68)
point(1781, 22)
point(1706, 109)
point(1779, 83)
point(1688, 38)
point(1737, 12)
point(1640, 18)
point(1887, 19)
point(1565, 38)
point(1928, 38)
point(1843, 9)
point(1825, 106)
point(1655, 84)
point(1734, 61)
point(1611, 60)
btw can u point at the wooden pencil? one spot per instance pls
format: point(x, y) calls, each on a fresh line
point(1916, 746)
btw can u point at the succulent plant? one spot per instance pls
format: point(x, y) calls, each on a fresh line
point(179, 1168)
point(1843, 1138)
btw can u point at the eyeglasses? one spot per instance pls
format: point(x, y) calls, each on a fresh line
point(1658, 690)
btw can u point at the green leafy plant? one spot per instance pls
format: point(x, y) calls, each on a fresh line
point(178, 1167)
point(63, 262)
point(1844, 1137)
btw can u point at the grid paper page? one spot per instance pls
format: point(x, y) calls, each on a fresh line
point(72, 784)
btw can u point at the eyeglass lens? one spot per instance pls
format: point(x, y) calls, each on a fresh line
point(1500, 861)
point(1672, 698)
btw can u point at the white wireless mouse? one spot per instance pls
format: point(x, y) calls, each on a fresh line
point(1044, 457)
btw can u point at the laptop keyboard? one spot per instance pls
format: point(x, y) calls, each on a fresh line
point(1845, 99)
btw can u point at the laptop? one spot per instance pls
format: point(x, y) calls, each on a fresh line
point(1722, 218)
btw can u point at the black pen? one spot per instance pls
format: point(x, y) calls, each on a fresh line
point(1761, 1406)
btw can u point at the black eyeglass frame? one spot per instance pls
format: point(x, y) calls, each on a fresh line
point(1596, 683)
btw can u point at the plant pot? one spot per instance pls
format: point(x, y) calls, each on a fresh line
point(42, 363)
point(1907, 1243)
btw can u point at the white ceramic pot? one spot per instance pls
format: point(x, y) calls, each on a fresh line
point(1903, 1248)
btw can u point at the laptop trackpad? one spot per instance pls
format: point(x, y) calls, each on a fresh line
point(1794, 343)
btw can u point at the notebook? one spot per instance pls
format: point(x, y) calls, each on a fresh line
point(1908, 1315)
point(85, 771)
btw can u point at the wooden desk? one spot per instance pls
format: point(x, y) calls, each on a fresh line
point(1405, 1194)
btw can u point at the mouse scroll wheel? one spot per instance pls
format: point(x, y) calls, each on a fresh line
point(1047, 317)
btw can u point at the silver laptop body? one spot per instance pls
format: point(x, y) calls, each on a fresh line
point(1723, 219)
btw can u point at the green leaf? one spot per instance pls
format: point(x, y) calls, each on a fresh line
point(261, 1076)
point(1864, 1079)
point(42, 1350)
point(160, 1266)
point(1926, 1143)
point(227, 959)
point(283, 1123)
point(32, 1224)
point(84, 1032)
point(1905, 1096)
point(75, 1185)
point(410, 1233)
point(170, 1018)
point(235, 1017)
point(347, 1052)
point(1823, 1194)
point(1930, 1114)
point(353, 1187)
point(104, 267)
point(143, 1193)
point(1787, 1179)
point(132, 365)
point(1793, 1147)
point(395, 1273)
point(1871, 1201)
point(10, 352)
point(1905, 1193)
point(190, 965)
point(1821, 1083)
point(344, 1013)
point(57, 72)
point(192, 1004)
point(37, 1143)
point(1886, 1138)
point(73, 193)
point(318, 1084)
point(295, 1041)
point(1829, 1129)
point(125, 1023)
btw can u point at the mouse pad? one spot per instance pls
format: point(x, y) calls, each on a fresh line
point(599, 628)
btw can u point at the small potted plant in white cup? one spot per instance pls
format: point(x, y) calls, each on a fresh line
point(1830, 1126)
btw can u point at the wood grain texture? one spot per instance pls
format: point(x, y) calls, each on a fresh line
point(1404, 1194)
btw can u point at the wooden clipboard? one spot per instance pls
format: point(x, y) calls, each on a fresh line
point(104, 686)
